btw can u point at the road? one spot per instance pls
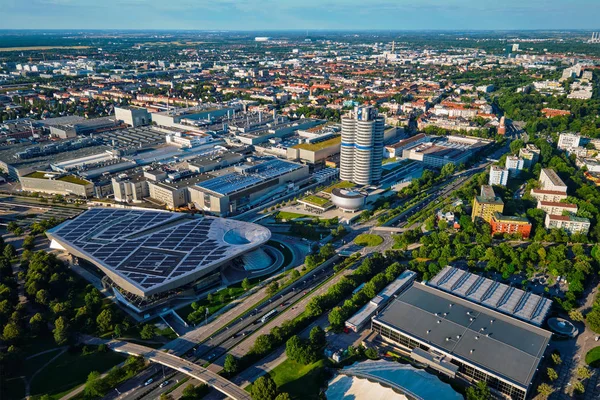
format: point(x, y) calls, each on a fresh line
point(187, 367)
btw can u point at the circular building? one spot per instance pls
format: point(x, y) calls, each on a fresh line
point(348, 199)
point(386, 380)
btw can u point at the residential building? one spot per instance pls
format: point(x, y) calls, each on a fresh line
point(569, 223)
point(362, 146)
point(514, 165)
point(498, 176)
point(550, 180)
point(530, 155)
point(556, 208)
point(568, 140)
point(548, 195)
point(510, 224)
point(486, 204)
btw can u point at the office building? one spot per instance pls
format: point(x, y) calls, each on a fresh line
point(569, 223)
point(247, 184)
point(498, 176)
point(530, 155)
point(438, 151)
point(486, 204)
point(568, 141)
point(549, 180)
point(486, 344)
point(511, 225)
point(130, 189)
point(514, 165)
point(362, 146)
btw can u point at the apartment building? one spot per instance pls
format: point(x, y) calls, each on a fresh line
point(498, 176)
point(548, 195)
point(568, 140)
point(510, 224)
point(569, 223)
point(550, 180)
point(486, 204)
point(556, 208)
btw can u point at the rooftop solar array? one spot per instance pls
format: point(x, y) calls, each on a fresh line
point(253, 175)
point(149, 249)
point(498, 296)
point(506, 347)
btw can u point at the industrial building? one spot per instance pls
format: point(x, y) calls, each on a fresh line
point(362, 146)
point(148, 254)
point(480, 342)
point(246, 184)
point(133, 116)
point(57, 183)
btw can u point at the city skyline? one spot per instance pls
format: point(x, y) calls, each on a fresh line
point(312, 15)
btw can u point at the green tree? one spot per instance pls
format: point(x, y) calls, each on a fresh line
point(61, 331)
point(148, 332)
point(264, 388)
point(104, 320)
point(371, 353)
point(246, 284)
point(36, 323)
point(9, 252)
point(337, 317)
point(479, 391)
point(583, 372)
point(231, 364)
point(578, 387)
point(552, 374)
point(94, 386)
point(283, 396)
point(12, 332)
point(556, 359)
point(273, 288)
point(545, 390)
point(317, 337)
point(576, 315)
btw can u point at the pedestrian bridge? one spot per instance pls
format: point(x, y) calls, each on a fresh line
point(177, 363)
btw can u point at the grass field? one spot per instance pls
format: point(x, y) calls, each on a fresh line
point(71, 370)
point(592, 358)
point(290, 215)
point(300, 381)
point(316, 200)
point(368, 240)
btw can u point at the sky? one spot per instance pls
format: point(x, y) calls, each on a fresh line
point(301, 14)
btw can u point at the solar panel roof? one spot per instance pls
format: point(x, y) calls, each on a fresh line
point(147, 251)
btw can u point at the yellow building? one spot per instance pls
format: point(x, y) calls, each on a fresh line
point(486, 204)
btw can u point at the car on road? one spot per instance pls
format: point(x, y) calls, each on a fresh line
point(211, 356)
point(149, 381)
point(165, 383)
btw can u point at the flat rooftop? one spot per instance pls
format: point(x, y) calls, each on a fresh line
point(251, 175)
point(501, 345)
point(148, 252)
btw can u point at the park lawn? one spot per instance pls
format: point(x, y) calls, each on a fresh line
point(368, 240)
point(592, 358)
point(290, 215)
point(70, 370)
point(300, 381)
